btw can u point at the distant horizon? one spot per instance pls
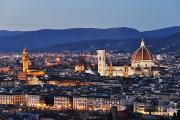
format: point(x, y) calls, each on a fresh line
point(10, 30)
point(143, 15)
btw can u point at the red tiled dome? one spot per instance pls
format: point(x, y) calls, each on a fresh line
point(142, 54)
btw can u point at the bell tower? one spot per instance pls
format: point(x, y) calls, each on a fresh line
point(101, 62)
point(25, 60)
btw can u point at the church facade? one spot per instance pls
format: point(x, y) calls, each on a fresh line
point(142, 64)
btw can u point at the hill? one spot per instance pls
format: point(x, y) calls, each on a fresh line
point(15, 40)
point(158, 45)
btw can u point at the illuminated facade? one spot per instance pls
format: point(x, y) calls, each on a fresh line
point(105, 70)
point(22, 100)
point(87, 103)
point(69, 83)
point(17, 99)
point(25, 67)
point(33, 100)
point(62, 102)
point(25, 60)
point(142, 57)
point(141, 65)
point(143, 62)
point(33, 80)
point(146, 107)
point(79, 68)
point(101, 62)
point(97, 103)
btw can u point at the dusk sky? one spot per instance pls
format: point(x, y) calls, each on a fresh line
point(62, 14)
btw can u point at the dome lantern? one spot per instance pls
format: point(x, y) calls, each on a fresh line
point(142, 43)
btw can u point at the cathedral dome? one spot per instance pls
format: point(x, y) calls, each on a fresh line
point(142, 54)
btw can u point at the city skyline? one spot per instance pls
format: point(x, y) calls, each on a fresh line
point(89, 60)
point(33, 15)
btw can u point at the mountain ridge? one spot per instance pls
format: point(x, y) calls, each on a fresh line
point(16, 40)
point(167, 44)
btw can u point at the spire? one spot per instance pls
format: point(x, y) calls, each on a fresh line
point(142, 43)
point(25, 49)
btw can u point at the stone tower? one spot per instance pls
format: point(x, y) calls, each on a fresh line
point(25, 60)
point(101, 62)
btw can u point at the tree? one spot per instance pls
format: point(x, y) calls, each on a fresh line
point(174, 116)
point(178, 115)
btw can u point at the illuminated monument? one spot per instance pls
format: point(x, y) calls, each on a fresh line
point(25, 67)
point(101, 62)
point(80, 65)
point(25, 60)
point(105, 70)
point(142, 64)
point(142, 57)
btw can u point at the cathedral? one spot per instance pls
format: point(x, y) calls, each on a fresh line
point(142, 64)
point(25, 67)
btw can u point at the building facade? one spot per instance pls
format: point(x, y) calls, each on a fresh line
point(142, 64)
point(25, 67)
point(16, 99)
point(87, 103)
point(62, 102)
point(101, 62)
point(33, 100)
point(149, 107)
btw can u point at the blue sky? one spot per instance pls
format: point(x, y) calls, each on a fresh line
point(62, 14)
